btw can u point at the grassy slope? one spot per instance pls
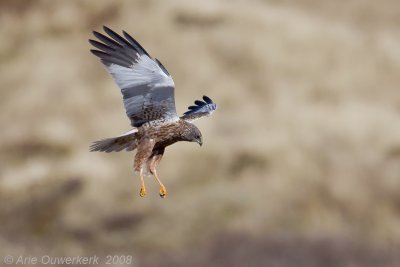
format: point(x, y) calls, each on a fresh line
point(305, 145)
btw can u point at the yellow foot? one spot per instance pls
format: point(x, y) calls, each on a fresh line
point(163, 192)
point(142, 192)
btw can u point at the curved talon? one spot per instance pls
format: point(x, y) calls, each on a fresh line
point(142, 192)
point(163, 192)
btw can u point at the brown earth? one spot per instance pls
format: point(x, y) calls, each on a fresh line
point(300, 164)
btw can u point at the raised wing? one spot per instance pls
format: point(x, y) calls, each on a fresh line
point(200, 109)
point(146, 86)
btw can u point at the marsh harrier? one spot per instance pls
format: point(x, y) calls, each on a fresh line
point(148, 95)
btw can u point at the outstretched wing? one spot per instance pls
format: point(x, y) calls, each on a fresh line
point(200, 109)
point(146, 86)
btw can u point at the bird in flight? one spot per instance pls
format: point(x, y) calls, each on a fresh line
point(148, 95)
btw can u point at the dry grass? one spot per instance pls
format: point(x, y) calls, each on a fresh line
point(301, 163)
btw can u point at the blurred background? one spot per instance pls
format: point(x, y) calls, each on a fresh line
point(300, 164)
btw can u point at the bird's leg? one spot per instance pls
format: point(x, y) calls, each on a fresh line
point(163, 190)
point(144, 150)
point(143, 187)
point(152, 164)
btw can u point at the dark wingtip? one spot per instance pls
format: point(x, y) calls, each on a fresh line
point(199, 103)
point(135, 43)
point(97, 34)
point(105, 28)
point(91, 41)
point(207, 99)
point(98, 53)
point(109, 31)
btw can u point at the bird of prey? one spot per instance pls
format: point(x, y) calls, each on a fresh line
point(148, 95)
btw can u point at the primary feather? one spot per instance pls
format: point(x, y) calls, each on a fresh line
point(200, 109)
point(146, 86)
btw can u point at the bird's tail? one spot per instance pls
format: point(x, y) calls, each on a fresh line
point(126, 141)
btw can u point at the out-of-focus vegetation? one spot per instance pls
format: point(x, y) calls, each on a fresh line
point(300, 164)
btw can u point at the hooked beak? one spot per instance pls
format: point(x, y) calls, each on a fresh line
point(200, 142)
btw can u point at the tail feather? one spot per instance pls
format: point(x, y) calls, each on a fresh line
point(115, 144)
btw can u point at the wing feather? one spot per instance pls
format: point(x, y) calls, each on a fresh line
point(146, 86)
point(200, 109)
point(135, 44)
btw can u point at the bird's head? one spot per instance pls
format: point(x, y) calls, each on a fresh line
point(193, 134)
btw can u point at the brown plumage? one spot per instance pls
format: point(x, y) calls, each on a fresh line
point(148, 94)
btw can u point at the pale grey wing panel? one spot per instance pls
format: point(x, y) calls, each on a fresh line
point(146, 86)
point(200, 109)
